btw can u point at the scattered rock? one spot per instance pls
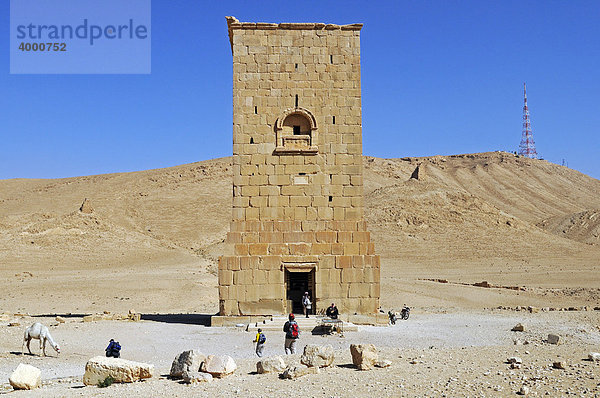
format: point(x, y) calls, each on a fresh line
point(317, 355)
point(299, 371)
point(25, 377)
point(192, 377)
point(364, 356)
point(384, 363)
point(482, 284)
point(270, 365)
point(514, 360)
point(515, 366)
point(121, 370)
point(60, 319)
point(594, 356)
point(219, 366)
point(14, 324)
point(519, 327)
point(533, 310)
point(553, 339)
point(524, 390)
point(86, 207)
point(187, 361)
point(559, 365)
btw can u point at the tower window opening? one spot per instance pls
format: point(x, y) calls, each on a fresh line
point(296, 67)
point(256, 110)
point(330, 59)
point(297, 130)
point(331, 198)
point(252, 140)
point(334, 120)
point(296, 100)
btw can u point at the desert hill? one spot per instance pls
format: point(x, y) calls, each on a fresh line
point(150, 239)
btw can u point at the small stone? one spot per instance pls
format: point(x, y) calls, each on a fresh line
point(553, 339)
point(519, 327)
point(384, 363)
point(559, 365)
point(524, 390)
point(60, 319)
point(515, 366)
point(514, 360)
point(25, 377)
point(594, 356)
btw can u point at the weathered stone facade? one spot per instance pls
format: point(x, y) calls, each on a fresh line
point(297, 176)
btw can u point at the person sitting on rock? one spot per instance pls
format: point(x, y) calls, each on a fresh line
point(332, 311)
point(113, 349)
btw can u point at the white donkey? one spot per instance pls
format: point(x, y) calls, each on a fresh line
point(40, 332)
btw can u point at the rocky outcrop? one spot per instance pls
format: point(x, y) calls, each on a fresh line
point(364, 356)
point(270, 365)
point(25, 377)
point(86, 207)
point(187, 361)
point(219, 366)
point(317, 355)
point(121, 370)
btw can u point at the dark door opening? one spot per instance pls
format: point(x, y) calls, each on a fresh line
point(296, 284)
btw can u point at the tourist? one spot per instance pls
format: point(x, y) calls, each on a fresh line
point(292, 332)
point(113, 349)
point(260, 340)
point(306, 304)
point(332, 311)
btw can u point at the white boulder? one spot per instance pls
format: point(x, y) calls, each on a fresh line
point(594, 356)
point(270, 365)
point(25, 377)
point(121, 370)
point(317, 355)
point(364, 356)
point(219, 365)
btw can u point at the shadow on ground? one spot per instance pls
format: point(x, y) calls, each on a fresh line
point(188, 319)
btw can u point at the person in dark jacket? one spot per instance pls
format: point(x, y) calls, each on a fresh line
point(292, 332)
point(113, 349)
point(332, 311)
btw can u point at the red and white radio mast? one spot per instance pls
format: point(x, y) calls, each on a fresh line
point(527, 146)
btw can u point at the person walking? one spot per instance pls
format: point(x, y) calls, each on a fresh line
point(292, 333)
point(260, 340)
point(306, 304)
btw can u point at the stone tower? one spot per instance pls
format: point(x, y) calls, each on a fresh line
point(297, 177)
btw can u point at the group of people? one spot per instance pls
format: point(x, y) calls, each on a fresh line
point(291, 328)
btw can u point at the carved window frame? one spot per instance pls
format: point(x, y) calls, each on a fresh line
point(285, 142)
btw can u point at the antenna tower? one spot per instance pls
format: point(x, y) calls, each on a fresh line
point(527, 146)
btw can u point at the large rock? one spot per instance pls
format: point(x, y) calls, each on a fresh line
point(594, 356)
point(25, 377)
point(192, 377)
point(553, 338)
point(219, 366)
point(189, 361)
point(364, 356)
point(270, 365)
point(317, 355)
point(299, 371)
point(121, 370)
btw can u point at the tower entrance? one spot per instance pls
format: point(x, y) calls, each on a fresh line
point(296, 283)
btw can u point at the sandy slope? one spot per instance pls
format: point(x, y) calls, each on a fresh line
point(153, 237)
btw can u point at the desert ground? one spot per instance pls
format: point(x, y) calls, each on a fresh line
point(149, 241)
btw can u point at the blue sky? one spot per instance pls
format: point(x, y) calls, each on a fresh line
point(438, 77)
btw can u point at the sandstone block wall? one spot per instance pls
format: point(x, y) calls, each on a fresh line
point(297, 174)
